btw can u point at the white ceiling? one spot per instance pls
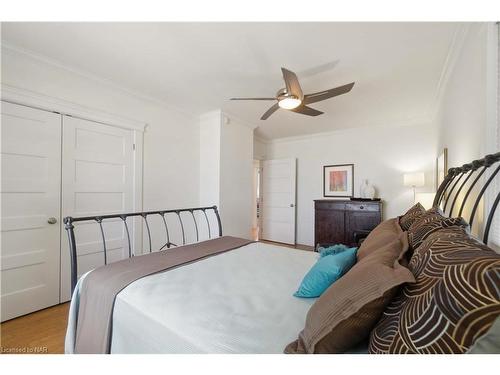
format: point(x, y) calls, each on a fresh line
point(197, 67)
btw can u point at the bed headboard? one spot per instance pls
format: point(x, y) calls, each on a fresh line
point(100, 219)
point(466, 186)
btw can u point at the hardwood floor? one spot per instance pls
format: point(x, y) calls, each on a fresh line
point(255, 237)
point(40, 332)
point(297, 246)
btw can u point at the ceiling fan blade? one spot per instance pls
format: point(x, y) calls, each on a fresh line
point(270, 111)
point(305, 110)
point(292, 83)
point(252, 99)
point(327, 94)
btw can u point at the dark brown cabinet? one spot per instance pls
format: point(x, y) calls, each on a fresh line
point(341, 221)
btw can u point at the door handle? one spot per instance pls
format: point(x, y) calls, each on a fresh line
point(292, 205)
point(52, 220)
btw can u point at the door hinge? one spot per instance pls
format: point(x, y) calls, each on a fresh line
point(133, 146)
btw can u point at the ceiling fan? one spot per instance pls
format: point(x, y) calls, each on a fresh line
point(292, 98)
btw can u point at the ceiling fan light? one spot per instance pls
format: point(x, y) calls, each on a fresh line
point(289, 103)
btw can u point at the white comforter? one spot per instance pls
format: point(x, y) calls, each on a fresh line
point(236, 302)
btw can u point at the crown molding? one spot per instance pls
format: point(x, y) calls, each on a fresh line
point(450, 61)
point(260, 139)
point(30, 98)
point(407, 122)
point(7, 47)
point(211, 115)
point(224, 117)
point(230, 116)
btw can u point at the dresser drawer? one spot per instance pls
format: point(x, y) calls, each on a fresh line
point(362, 207)
point(330, 206)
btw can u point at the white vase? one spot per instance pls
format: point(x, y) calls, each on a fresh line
point(367, 190)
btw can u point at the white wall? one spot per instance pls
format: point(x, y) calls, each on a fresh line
point(467, 110)
point(236, 178)
point(379, 154)
point(226, 170)
point(210, 154)
point(171, 148)
point(259, 149)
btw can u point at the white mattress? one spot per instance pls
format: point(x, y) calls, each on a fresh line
point(236, 302)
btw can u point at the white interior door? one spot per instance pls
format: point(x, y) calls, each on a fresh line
point(30, 196)
point(98, 178)
point(278, 200)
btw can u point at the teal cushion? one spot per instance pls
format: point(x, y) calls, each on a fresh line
point(325, 272)
point(332, 250)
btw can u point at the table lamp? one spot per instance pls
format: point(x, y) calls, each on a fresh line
point(414, 180)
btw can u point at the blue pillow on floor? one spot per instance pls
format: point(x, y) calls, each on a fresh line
point(332, 250)
point(325, 272)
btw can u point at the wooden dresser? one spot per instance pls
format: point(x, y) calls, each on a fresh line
point(338, 221)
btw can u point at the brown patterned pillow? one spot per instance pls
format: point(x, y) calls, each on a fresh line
point(446, 233)
point(454, 301)
point(427, 216)
point(410, 216)
point(430, 223)
point(446, 236)
point(347, 311)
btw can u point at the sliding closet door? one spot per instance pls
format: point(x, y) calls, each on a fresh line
point(30, 193)
point(98, 178)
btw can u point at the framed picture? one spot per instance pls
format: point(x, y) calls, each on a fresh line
point(441, 167)
point(338, 180)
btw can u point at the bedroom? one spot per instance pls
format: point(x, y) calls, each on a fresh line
point(138, 124)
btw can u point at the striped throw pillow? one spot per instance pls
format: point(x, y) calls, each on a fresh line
point(410, 216)
point(455, 300)
point(430, 223)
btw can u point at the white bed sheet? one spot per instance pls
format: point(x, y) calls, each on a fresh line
point(236, 302)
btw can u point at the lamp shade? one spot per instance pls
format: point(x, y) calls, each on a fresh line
point(414, 179)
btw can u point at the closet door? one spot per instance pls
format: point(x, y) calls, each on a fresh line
point(98, 178)
point(30, 193)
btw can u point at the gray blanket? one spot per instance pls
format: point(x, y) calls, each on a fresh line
point(100, 287)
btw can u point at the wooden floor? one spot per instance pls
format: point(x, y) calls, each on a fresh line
point(40, 332)
point(256, 234)
point(297, 246)
point(43, 331)
point(255, 237)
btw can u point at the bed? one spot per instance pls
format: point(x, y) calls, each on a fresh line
point(221, 307)
point(230, 295)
